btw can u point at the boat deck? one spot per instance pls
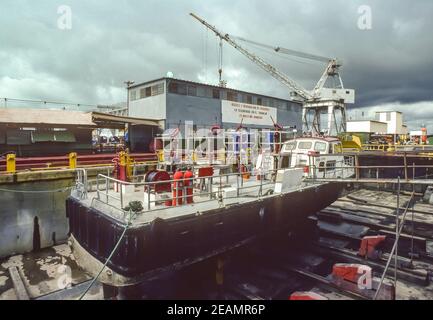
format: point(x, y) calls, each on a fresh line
point(224, 193)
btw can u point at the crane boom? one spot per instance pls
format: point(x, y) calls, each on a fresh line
point(332, 64)
point(274, 72)
point(291, 52)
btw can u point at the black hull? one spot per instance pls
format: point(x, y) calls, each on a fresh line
point(194, 237)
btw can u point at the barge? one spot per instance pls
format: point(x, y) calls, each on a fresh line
point(137, 230)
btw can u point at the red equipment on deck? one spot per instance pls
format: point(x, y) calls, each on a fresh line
point(158, 176)
point(120, 170)
point(188, 182)
point(177, 188)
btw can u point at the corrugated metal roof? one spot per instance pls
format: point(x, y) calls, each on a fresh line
point(64, 118)
point(105, 117)
point(46, 117)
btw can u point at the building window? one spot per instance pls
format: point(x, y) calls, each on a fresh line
point(176, 87)
point(388, 116)
point(215, 94)
point(148, 91)
point(203, 92)
point(142, 93)
point(259, 101)
point(192, 90)
point(249, 99)
point(232, 96)
point(157, 89)
point(172, 87)
point(133, 95)
point(181, 89)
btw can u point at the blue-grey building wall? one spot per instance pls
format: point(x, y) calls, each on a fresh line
point(204, 112)
point(196, 102)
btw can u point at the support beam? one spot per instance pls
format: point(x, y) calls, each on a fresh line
point(20, 289)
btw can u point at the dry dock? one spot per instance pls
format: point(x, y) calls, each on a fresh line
point(269, 270)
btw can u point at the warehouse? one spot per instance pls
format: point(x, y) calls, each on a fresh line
point(175, 101)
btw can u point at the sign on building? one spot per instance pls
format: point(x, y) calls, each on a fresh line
point(234, 112)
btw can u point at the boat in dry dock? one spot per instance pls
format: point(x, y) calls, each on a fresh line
point(167, 220)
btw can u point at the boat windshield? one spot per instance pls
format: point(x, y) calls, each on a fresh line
point(288, 146)
point(305, 145)
point(320, 146)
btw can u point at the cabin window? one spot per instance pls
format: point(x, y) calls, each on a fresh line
point(338, 148)
point(305, 145)
point(290, 146)
point(330, 165)
point(285, 162)
point(320, 147)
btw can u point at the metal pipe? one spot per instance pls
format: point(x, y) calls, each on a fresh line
point(393, 248)
point(397, 220)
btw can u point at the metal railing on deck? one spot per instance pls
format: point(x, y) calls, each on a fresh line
point(397, 147)
point(353, 163)
point(201, 186)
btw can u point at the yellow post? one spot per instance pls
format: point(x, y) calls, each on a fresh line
point(72, 160)
point(11, 163)
point(161, 155)
point(126, 161)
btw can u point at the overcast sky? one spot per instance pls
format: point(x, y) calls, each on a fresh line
point(390, 64)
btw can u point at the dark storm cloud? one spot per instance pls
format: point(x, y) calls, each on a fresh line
point(113, 41)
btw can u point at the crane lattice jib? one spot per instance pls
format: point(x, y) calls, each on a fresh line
point(300, 91)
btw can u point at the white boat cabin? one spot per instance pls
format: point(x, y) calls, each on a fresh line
point(321, 157)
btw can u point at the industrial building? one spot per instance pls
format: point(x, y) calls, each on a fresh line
point(175, 101)
point(387, 122)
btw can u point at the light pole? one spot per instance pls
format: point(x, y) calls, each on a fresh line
point(128, 84)
point(127, 136)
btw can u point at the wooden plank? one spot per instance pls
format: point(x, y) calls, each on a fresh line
point(19, 287)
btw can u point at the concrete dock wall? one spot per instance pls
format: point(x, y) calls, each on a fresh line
point(29, 220)
point(32, 219)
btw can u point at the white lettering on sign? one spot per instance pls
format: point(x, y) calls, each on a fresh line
point(234, 112)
